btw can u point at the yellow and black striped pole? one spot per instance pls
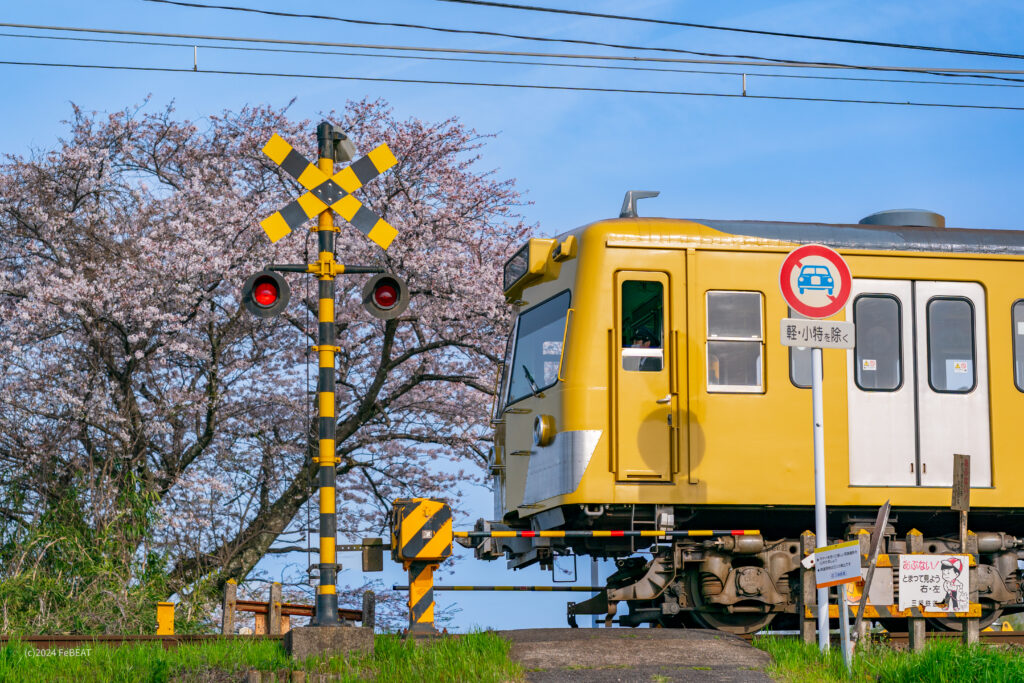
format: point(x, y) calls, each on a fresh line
point(327, 268)
point(421, 538)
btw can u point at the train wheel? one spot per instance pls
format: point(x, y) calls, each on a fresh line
point(739, 623)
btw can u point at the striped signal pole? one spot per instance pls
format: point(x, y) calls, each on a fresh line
point(327, 591)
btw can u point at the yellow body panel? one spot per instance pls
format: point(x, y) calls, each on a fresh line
point(732, 448)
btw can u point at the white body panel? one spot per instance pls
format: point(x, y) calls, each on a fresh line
point(908, 436)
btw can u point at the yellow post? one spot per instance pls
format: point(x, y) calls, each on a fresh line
point(165, 618)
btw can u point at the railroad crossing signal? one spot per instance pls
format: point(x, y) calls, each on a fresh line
point(266, 294)
point(326, 191)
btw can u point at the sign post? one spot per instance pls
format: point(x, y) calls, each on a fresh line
point(816, 283)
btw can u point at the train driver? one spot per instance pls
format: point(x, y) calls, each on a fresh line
point(643, 338)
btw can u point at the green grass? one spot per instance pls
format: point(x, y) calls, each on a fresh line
point(472, 657)
point(942, 661)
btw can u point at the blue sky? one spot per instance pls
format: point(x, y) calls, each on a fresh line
point(574, 154)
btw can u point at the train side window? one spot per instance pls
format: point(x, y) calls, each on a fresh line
point(1018, 344)
point(735, 341)
point(877, 360)
point(643, 314)
point(951, 367)
point(799, 362)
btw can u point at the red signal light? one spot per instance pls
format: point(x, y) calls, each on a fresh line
point(385, 295)
point(265, 293)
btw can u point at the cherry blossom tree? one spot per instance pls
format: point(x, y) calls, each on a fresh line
point(139, 399)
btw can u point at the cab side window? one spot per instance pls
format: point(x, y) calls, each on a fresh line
point(643, 315)
point(799, 361)
point(735, 342)
point(1018, 344)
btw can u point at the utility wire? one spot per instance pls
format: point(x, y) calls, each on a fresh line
point(112, 41)
point(667, 22)
point(939, 71)
point(524, 86)
point(497, 34)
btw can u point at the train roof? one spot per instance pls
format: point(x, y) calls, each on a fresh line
point(837, 236)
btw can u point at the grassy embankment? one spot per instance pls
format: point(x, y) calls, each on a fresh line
point(473, 657)
point(940, 662)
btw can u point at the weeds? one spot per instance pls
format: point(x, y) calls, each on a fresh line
point(941, 661)
point(472, 657)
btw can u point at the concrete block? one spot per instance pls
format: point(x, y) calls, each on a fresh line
point(316, 641)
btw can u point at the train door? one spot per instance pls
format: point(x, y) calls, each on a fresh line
point(917, 383)
point(643, 402)
point(952, 361)
point(881, 384)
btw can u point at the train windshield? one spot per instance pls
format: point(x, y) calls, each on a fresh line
point(537, 348)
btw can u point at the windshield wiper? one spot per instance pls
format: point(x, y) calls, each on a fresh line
point(529, 378)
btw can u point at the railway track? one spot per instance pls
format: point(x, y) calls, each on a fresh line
point(900, 639)
point(66, 642)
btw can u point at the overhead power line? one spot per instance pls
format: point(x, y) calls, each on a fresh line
point(938, 71)
point(805, 36)
point(522, 86)
point(496, 34)
point(761, 74)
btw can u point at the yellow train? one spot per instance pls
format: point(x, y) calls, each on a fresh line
point(645, 387)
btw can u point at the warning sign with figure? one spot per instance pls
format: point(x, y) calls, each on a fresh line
point(934, 582)
point(815, 281)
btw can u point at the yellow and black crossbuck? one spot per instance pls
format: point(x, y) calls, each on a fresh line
point(334, 192)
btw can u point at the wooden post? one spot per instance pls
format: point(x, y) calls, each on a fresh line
point(227, 617)
point(870, 547)
point(808, 592)
point(261, 624)
point(369, 609)
point(968, 541)
point(915, 625)
point(286, 623)
point(971, 635)
point(274, 609)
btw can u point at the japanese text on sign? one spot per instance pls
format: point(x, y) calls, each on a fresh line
point(836, 564)
point(824, 334)
point(934, 582)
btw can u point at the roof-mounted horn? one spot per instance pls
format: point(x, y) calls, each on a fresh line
point(629, 203)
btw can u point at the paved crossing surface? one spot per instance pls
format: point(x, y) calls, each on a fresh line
point(642, 654)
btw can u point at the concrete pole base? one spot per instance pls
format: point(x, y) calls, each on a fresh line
point(318, 641)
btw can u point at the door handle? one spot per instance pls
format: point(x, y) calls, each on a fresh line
point(664, 401)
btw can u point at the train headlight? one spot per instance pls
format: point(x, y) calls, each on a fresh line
point(543, 430)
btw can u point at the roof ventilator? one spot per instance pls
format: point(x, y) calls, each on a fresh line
point(919, 218)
